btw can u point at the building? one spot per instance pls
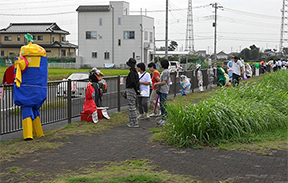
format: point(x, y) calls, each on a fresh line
point(109, 36)
point(221, 56)
point(47, 35)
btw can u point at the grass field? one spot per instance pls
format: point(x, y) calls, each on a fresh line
point(60, 73)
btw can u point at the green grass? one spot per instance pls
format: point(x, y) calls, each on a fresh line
point(60, 73)
point(136, 171)
point(231, 114)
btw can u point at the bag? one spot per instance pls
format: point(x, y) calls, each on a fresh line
point(158, 91)
point(124, 94)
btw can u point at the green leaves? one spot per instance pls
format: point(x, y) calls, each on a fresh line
point(231, 113)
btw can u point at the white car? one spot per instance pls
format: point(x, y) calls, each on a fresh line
point(79, 81)
point(174, 66)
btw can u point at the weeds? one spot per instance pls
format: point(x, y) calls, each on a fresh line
point(231, 114)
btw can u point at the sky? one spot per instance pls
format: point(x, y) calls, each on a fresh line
point(240, 23)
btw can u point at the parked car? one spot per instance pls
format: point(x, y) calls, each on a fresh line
point(174, 66)
point(79, 81)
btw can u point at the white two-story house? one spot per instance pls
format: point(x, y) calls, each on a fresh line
point(108, 35)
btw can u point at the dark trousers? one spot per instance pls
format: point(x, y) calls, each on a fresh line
point(235, 79)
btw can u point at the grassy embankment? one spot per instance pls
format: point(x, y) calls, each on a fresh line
point(245, 114)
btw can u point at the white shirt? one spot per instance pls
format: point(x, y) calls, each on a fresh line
point(236, 67)
point(145, 89)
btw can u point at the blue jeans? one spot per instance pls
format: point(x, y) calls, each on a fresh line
point(163, 98)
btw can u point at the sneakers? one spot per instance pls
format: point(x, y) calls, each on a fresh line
point(140, 117)
point(161, 122)
point(147, 116)
point(153, 115)
point(130, 125)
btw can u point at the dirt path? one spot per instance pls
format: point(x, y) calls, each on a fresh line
point(122, 143)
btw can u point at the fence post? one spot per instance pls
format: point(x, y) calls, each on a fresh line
point(118, 93)
point(175, 74)
point(69, 102)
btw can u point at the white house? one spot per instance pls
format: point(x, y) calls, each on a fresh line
point(108, 35)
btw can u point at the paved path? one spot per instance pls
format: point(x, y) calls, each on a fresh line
point(122, 143)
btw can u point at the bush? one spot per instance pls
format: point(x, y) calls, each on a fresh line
point(231, 114)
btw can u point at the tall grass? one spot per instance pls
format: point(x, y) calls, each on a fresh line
point(231, 114)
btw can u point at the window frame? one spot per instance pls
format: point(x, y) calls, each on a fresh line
point(119, 20)
point(18, 37)
point(2, 53)
point(6, 38)
point(128, 35)
point(146, 35)
point(39, 36)
point(89, 34)
point(94, 54)
point(106, 55)
point(100, 22)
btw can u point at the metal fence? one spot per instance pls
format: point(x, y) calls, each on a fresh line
point(65, 99)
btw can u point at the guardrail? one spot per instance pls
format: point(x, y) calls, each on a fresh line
point(66, 102)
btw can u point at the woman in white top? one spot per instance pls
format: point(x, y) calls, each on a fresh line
point(143, 98)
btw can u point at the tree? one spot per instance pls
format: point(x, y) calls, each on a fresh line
point(172, 46)
point(245, 53)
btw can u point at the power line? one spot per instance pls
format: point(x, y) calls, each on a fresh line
point(39, 14)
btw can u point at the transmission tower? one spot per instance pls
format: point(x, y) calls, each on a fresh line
point(284, 26)
point(189, 43)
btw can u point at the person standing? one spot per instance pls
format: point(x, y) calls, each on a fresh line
point(132, 90)
point(163, 89)
point(237, 71)
point(143, 98)
point(153, 96)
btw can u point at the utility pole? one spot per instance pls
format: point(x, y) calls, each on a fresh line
point(166, 32)
point(284, 26)
point(216, 6)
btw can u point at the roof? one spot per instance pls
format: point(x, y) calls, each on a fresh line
point(56, 44)
point(172, 52)
point(93, 8)
point(34, 28)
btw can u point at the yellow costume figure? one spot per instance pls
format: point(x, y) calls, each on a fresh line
point(30, 86)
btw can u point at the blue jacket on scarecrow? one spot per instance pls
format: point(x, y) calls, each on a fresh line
point(30, 86)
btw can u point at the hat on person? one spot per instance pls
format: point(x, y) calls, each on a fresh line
point(131, 62)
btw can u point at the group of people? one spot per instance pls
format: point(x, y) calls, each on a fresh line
point(138, 89)
point(237, 69)
point(274, 65)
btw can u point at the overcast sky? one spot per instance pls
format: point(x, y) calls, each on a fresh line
point(241, 23)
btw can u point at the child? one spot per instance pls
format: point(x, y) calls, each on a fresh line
point(163, 89)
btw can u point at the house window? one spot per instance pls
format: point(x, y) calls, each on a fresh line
point(100, 21)
point(63, 53)
point(8, 38)
point(94, 54)
point(63, 38)
point(53, 39)
point(119, 21)
point(2, 52)
point(129, 35)
point(40, 38)
point(18, 37)
point(71, 54)
point(151, 37)
point(134, 55)
point(34, 37)
point(106, 55)
point(119, 42)
point(91, 35)
point(48, 51)
point(146, 35)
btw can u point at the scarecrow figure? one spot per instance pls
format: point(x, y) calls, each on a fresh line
point(199, 77)
point(99, 85)
point(185, 84)
point(210, 73)
point(30, 86)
